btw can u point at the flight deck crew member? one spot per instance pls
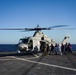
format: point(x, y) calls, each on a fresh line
point(65, 48)
point(62, 48)
point(69, 48)
point(51, 49)
point(45, 49)
point(56, 49)
point(59, 49)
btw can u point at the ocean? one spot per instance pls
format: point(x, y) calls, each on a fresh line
point(13, 47)
point(8, 48)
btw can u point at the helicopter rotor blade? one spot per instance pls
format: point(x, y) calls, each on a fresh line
point(12, 28)
point(36, 28)
point(46, 28)
point(68, 28)
point(58, 26)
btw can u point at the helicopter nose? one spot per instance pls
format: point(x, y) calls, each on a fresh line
point(22, 47)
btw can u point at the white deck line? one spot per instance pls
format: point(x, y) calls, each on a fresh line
point(56, 66)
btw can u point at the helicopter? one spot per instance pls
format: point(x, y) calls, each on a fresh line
point(35, 43)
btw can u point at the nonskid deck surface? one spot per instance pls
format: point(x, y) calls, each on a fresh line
point(15, 64)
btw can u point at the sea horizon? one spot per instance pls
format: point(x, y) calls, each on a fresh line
point(13, 47)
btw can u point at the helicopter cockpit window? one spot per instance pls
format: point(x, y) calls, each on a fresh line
point(24, 40)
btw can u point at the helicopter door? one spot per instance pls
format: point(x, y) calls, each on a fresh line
point(36, 45)
point(30, 44)
point(42, 44)
point(42, 38)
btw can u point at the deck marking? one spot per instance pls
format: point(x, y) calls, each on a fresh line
point(7, 59)
point(25, 58)
point(33, 57)
point(62, 67)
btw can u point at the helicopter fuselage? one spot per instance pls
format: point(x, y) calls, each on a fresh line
point(33, 43)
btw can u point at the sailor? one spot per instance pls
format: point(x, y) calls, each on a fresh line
point(62, 48)
point(65, 48)
point(45, 49)
point(51, 49)
point(59, 49)
point(69, 48)
point(56, 49)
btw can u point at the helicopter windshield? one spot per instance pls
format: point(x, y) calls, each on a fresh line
point(24, 41)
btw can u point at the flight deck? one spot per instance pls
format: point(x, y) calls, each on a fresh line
point(28, 64)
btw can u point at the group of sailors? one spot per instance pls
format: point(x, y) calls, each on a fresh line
point(58, 49)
